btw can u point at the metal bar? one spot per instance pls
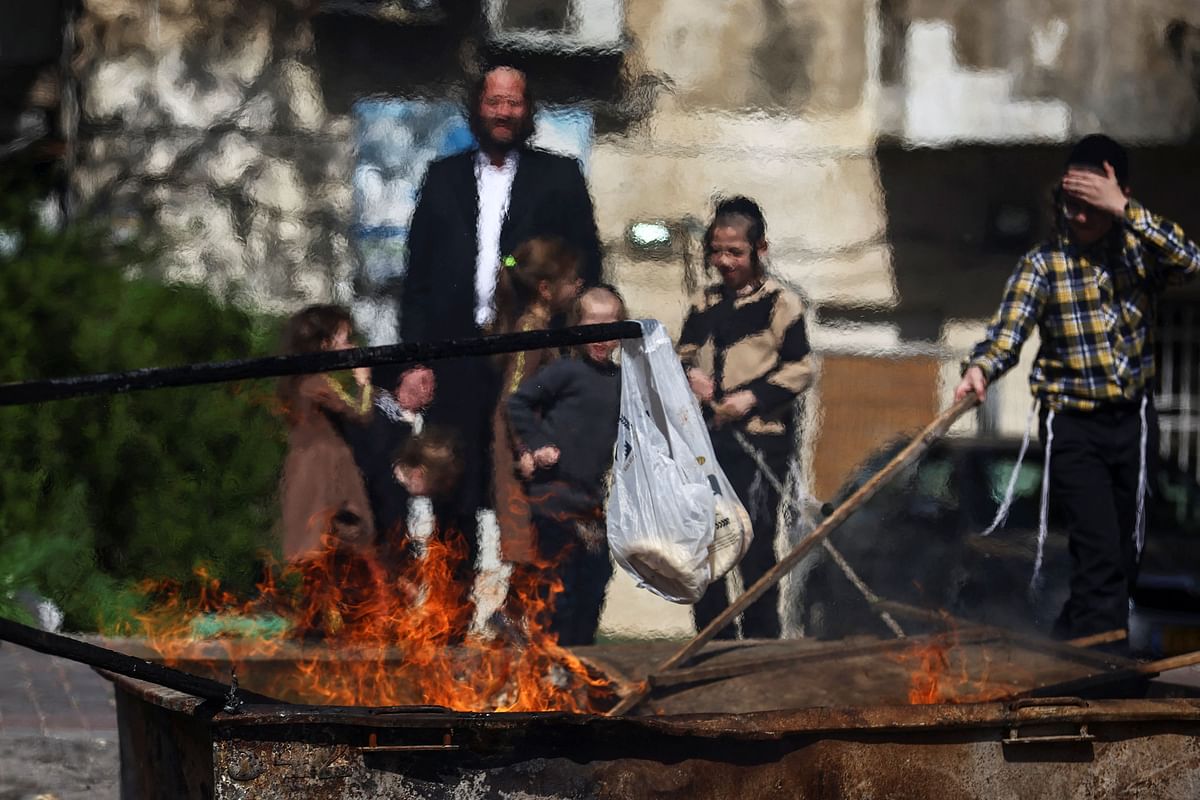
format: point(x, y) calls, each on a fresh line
point(1188, 426)
point(1167, 351)
point(844, 565)
point(41, 391)
point(932, 432)
point(1016, 737)
point(373, 746)
point(110, 660)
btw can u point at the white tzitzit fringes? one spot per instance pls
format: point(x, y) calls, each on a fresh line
point(1044, 512)
point(1010, 490)
point(1139, 527)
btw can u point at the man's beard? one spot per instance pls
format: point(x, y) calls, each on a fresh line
point(520, 134)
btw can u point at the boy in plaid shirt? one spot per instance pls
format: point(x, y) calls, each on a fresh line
point(1091, 290)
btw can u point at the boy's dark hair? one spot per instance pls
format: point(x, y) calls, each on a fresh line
point(1095, 149)
point(436, 451)
point(739, 210)
point(475, 96)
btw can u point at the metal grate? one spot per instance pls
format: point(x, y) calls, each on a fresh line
point(1178, 396)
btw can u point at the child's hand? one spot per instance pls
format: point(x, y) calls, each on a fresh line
point(415, 390)
point(702, 385)
point(525, 465)
point(1099, 191)
point(734, 406)
point(414, 480)
point(362, 375)
point(545, 457)
point(592, 533)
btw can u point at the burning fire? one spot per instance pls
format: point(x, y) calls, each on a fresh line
point(359, 634)
point(944, 672)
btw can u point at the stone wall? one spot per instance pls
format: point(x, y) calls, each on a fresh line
point(202, 122)
point(768, 99)
point(1020, 70)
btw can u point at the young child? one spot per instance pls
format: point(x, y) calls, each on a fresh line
point(539, 281)
point(565, 422)
point(428, 465)
point(396, 421)
point(745, 349)
point(322, 491)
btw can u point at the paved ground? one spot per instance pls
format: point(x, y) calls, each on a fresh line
point(58, 729)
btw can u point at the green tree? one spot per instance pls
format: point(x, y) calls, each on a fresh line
point(97, 494)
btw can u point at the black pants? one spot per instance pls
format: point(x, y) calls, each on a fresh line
point(761, 619)
point(1094, 463)
point(584, 576)
point(464, 400)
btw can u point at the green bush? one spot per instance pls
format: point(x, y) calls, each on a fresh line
point(97, 494)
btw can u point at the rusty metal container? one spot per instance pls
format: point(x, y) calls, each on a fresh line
point(174, 746)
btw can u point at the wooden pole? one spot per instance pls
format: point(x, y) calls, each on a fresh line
point(1116, 635)
point(734, 669)
point(1173, 662)
point(932, 432)
point(1073, 649)
point(53, 644)
point(1137, 671)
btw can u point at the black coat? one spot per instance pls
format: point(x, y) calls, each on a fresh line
point(549, 197)
point(437, 300)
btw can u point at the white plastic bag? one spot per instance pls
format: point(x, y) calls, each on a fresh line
point(674, 522)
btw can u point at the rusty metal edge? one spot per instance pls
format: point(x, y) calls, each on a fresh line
point(761, 725)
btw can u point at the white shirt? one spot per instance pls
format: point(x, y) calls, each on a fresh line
point(494, 185)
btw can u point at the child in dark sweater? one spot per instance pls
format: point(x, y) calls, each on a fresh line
point(564, 419)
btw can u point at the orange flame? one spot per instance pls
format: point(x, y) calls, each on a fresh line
point(944, 672)
point(359, 634)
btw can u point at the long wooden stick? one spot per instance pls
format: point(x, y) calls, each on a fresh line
point(1141, 670)
point(1115, 635)
point(932, 432)
point(1069, 649)
point(946, 619)
point(734, 669)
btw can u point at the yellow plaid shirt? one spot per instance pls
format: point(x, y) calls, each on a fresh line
point(1094, 309)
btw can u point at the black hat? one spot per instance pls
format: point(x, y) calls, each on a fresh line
point(1095, 149)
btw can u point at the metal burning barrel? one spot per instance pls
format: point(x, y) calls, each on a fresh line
point(174, 746)
point(749, 720)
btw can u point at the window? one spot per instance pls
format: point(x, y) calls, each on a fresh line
point(556, 24)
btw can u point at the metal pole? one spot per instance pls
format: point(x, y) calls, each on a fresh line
point(41, 391)
point(230, 697)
